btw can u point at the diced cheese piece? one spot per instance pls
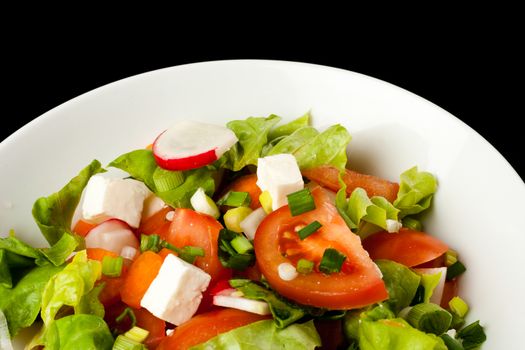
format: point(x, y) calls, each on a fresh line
point(176, 292)
point(251, 222)
point(152, 204)
point(280, 176)
point(393, 226)
point(107, 198)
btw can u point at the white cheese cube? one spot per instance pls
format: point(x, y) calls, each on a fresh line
point(176, 292)
point(106, 198)
point(152, 205)
point(280, 176)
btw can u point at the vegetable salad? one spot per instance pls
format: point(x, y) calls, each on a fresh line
point(251, 236)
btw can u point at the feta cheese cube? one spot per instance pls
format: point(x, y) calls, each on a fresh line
point(176, 292)
point(280, 176)
point(152, 205)
point(106, 198)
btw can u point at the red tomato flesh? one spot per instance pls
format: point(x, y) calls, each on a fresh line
point(407, 247)
point(357, 285)
point(203, 327)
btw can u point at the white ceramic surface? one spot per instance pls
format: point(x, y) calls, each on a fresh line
point(478, 209)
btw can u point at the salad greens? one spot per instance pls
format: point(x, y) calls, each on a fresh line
point(73, 332)
point(401, 283)
point(416, 190)
point(53, 214)
point(266, 335)
point(290, 127)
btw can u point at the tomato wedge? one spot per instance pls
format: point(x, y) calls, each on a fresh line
point(407, 247)
point(358, 284)
point(190, 228)
point(203, 327)
point(328, 176)
point(247, 183)
point(156, 224)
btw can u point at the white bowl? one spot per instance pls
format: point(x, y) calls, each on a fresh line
point(478, 210)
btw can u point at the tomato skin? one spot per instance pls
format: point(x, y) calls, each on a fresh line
point(247, 183)
point(450, 291)
point(407, 247)
point(82, 227)
point(156, 224)
point(203, 327)
point(328, 176)
point(200, 230)
point(141, 273)
point(361, 286)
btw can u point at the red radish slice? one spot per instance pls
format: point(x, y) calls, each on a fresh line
point(189, 145)
point(112, 235)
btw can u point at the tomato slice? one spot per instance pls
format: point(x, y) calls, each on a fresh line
point(156, 224)
point(246, 183)
point(407, 247)
point(203, 327)
point(139, 276)
point(357, 285)
point(328, 176)
point(190, 228)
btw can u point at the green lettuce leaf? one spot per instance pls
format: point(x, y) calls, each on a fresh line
point(283, 313)
point(74, 332)
point(415, 192)
point(291, 143)
point(253, 136)
point(359, 210)
point(70, 286)
point(401, 283)
point(289, 128)
point(53, 214)
point(21, 304)
point(395, 334)
point(59, 252)
point(141, 165)
point(266, 335)
point(327, 148)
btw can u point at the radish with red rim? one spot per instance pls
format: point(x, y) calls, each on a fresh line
point(112, 235)
point(190, 145)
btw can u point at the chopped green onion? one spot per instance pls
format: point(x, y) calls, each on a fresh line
point(228, 256)
point(429, 318)
point(412, 223)
point(167, 180)
point(458, 306)
point(241, 244)
point(301, 202)
point(186, 253)
point(137, 334)
point(124, 343)
point(472, 335)
point(150, 242)
point(234, 217)
point(419, 297)
point(455, 270)
point(129, 313)
point(238, 282)
point(309, 229)
point(332, 261)
point(304, 266)
point(266, 201)
point(235, 199)
point(451, 256)
point(451, 343)
point(112, 266)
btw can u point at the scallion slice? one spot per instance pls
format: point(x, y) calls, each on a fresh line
point(429, 318)
point(458, 306)
point(451, 256)
point(241, 244)
point(124, 343)
point(332, 261)
point(112, 266)
point(235, 199)
point(186, 253)
point(167, 180)
point(137, 334)
point(455, 270)
point(309, 229)
point(472, 335)
point(451, 343)
point(129, 313)
point(304, 266)
point(150, 242)
point(301, 202)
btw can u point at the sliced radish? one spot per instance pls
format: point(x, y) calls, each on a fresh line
point(112, 235)
point(189, 145)
point(229, 298)
point(438, 291)
point(129, 252)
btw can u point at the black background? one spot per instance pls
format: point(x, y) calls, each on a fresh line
point(473, 77)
